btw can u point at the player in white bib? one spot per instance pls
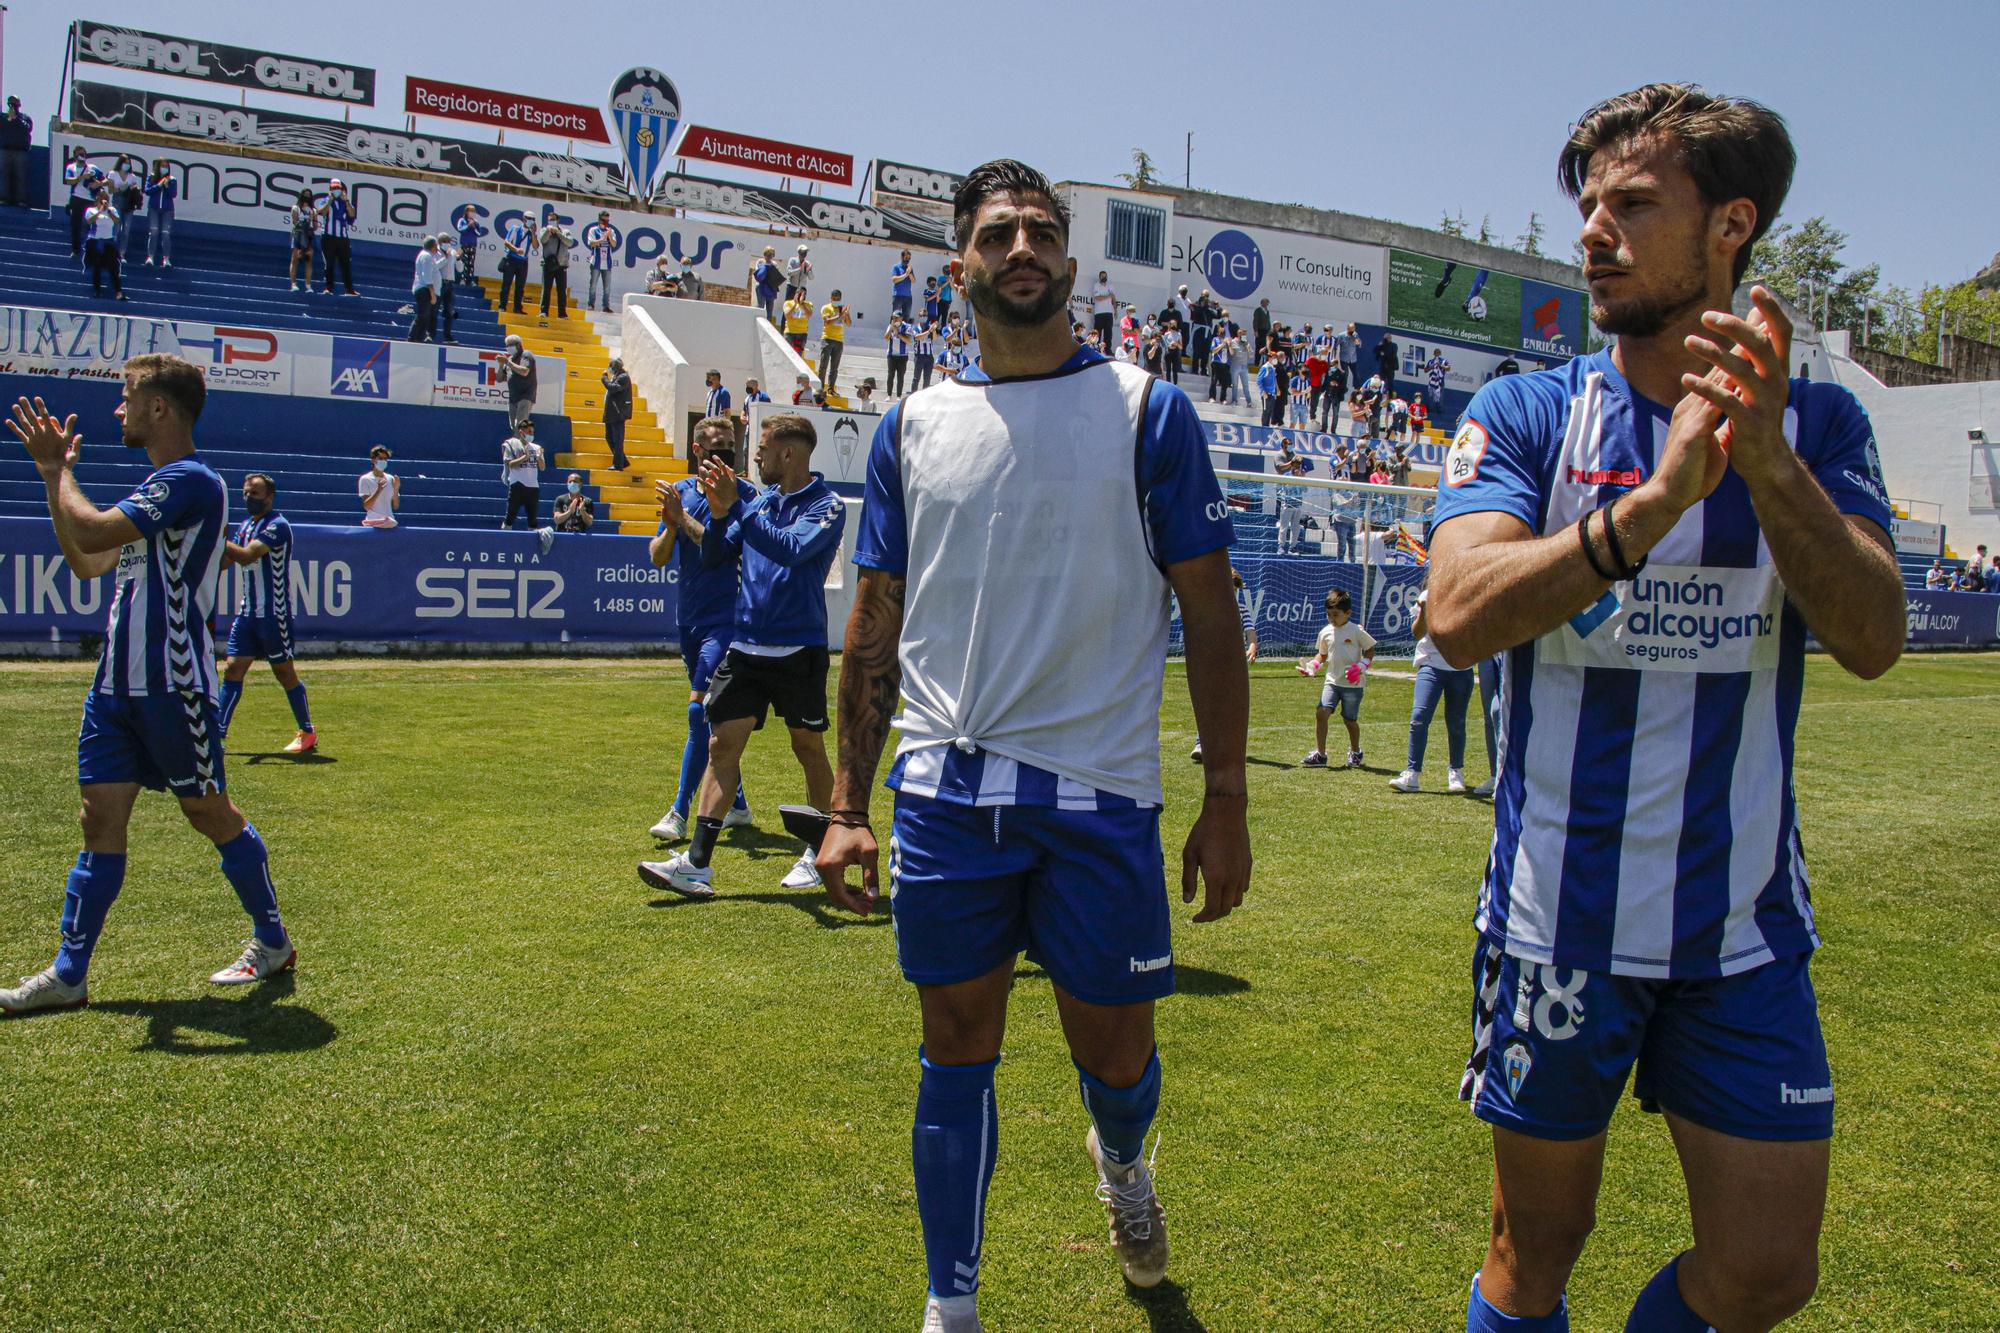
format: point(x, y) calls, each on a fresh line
point(1648, 534)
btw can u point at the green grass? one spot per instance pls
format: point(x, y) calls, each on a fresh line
point(1412, 279)
point(510, 1087)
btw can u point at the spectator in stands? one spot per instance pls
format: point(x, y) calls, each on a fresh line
point(798, 272)
point(947, 293)
point(423, 291)
point(834, 319)
point(445, 289)
point(305, 226)
point(162, 191)
point(802, 391)
point(128, 195)
point(1333, 401)
point(522, 388)
point(718, 397)
point(1218, 365)
point(1260, 327)
point(923, 352)
point(1969, 580)
point(1201, 332)
point(514, 243)
point(381, 494)
point(901, 298)
point(84, 179)
point(1270, 383)
point(1399, 467)
point(1300, 402)
point(1435, 371)
point(1399, 416)
point(17, 135)
point(1420, 418)
point(766, 277)
point(897, 335)
point(555, 244)
point(1172, 346)
point(469, 232)
point(1347, 348)
point(691, 283)
point(1357, 414)
point(521, 467)
point(575, 511)
point(1979, 560)
point(864, 397)
point(336, 219)
point(1992, 578)
point(659, 278)
point(798, 320)
point(1104, 310)
point(1291, 499)
point(1935, 577)
point(752, 394)
point(617, 409)
point(601, 241)
point(1385, 358)
point(100, 242)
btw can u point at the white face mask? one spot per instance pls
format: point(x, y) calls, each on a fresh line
point(381, 465)
point(575, 487)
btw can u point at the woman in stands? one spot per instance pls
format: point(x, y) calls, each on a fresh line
point(305, 222)
point(128, 192)
point(161, 192)
point(100, 245)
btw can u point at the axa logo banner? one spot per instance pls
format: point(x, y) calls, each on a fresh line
point(214, 62)
point(645, 110)
point(360, 368)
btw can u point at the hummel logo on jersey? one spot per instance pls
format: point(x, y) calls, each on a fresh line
point(1152, 964)
point(1791, 1096)
point(1631, 476)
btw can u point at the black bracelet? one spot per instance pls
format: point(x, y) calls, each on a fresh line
point(1626, 572)
point(1583, 537)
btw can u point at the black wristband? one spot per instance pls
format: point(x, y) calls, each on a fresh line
point(1626, 571)
point(1583, 537)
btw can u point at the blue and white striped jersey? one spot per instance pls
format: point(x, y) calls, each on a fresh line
point(267, 581)
point(339, 216)
point(157, 639)
point(1644, 820)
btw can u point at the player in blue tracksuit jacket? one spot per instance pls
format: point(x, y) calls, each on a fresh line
point(786, 537)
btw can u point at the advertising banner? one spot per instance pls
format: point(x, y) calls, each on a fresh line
point(338, 141)
point(899, 178)
point(72, 345)
point(509, 111)
point(1308, 279)
point(1918, 537)
point(363, 585)
point(1241, 437)
point(791, 208)
point(213, 62)
point(1962, 618)
point(1477, 305)
point(771, 155)
point(645, 107)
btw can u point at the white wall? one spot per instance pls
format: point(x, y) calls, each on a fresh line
point(656, 366)
point(1920, 433)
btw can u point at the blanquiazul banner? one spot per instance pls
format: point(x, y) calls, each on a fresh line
point(360, 585)
point(645, 107)
point(214, 62)
point(1244, 438)
point(1969, 619)
point(73, 345)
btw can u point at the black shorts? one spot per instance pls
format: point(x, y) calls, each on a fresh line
point(746, 685)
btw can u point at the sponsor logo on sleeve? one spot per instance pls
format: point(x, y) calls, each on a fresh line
point(1461, 461)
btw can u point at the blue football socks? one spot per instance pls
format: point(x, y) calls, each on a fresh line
point(232, 694)
point(296, 697)
point(1660, 1308)
point(93, 886)
point(694, 756)
point(1122, 1115)
point(247, 866)
point(1481, 1317)
point(952, 1147)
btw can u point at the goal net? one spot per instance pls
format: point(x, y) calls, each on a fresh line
point(1299, 538)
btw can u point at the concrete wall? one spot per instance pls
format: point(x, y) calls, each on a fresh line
point(1920, 431)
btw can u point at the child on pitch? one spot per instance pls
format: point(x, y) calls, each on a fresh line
point(1346, 651)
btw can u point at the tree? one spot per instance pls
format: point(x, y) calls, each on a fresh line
point(1578, 253)
point(1452, 224)
point(1141, 176)
point(1802, 264)
point(1530, 242)
point(1486, 229)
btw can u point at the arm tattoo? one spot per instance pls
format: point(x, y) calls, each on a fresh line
point(871, 678)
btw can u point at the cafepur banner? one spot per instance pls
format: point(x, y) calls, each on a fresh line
point(215, 62)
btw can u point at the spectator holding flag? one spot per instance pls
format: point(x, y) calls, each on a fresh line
point(161, 192)
point(601, 240)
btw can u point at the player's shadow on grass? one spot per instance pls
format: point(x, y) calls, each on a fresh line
point(1166, 1308)
point(212, 1025)
point(280, 757)
point(1187, 981)
point(813, 902)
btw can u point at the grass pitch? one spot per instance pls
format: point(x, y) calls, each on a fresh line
point(510, 1087)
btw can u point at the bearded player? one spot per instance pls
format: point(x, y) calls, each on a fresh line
point(150, 717)
point(1023, 528)
point(1649, 534)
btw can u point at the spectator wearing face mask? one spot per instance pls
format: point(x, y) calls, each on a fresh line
point(162, 190)
point(575, 511)
point(336, 219)
point(765, 279)
point(798, 320)
point(305, 227)
point(381, 493)
point(445, 298)
point(691, 283)
point(555, 245)
point(128, 193)
point(100, 242)
point(900, 295)
point(798, 272)
point(617, 410)
point(469, 232)
point(522, 386)
point(834, 317)
point(600, 239)
point(423, 291)
point(515, 242)
point(84, 179)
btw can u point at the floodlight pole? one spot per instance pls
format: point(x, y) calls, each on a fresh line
point(1187, 164)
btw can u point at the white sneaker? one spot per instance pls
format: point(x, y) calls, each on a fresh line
point(1454, 781)
point(1195, 754)
point(673, 826)
point(937, 1319)
point(295, 286)
point(258, 961)
point(803, 874)
point(737, 818)
point(1408, 780)
point(44, 990)
point(677, 874)
point(1485, 788)
point(1138, 1223)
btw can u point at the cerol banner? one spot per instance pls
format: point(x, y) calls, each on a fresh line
point(214, 62)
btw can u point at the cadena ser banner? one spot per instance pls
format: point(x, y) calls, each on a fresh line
point(214, 62)
point(1448, 299)
point(360, 585)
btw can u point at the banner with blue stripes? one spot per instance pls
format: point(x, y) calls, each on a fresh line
point(645, 111)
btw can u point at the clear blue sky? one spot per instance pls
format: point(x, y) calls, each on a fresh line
point(1397, 111)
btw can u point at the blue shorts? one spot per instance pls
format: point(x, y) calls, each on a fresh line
point(165, 742)
point(1082, 891)
point(702, 651)
point(1741, 1055)
point(1347, 698)
point(261, 636)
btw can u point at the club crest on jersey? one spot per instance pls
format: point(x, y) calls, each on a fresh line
point(1517, 1062)
point(1461, 462)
